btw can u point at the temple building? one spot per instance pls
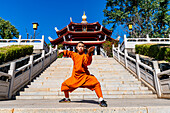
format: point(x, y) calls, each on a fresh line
point(91, 34)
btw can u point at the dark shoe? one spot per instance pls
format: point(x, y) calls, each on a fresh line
point(103, 103)
point(64, 100)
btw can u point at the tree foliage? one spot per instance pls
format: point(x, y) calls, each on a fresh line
point(7, 31)
point(147, 16)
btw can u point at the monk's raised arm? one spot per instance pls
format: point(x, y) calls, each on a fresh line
point(67, 53)
point(87, 59)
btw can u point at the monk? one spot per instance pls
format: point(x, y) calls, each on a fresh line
point(81, 77)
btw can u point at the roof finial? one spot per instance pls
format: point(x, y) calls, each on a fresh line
point(56, 29)
point(70, 19)
point(84, 17)
point(50, 38)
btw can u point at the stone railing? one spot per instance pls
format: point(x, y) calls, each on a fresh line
point(122, 46)
point(17, 78)
point(39, 44)
point(103, 53)
point(148, 75)
point(165, 83)
point(129, 43)
point(4, 85)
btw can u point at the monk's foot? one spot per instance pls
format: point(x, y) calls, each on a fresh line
point(64, 100)
point(103, 103)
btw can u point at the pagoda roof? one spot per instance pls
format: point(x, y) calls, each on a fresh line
point(86, 34)
point(85, 42)
point(62, 31)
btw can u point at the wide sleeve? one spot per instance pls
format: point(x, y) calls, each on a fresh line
point(87, 60)
point(68, 53)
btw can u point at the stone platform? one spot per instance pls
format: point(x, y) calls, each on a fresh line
point(86, 106)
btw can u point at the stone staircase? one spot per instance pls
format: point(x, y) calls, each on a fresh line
point(116, 81)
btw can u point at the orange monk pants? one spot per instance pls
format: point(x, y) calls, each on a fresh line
point(97, 90)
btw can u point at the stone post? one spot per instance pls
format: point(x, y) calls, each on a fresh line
point(147, 36)
point(50, 49)
point(19, 39)
point(125, 56)
point(113, 50)
point(43, 57)
point(95, 51)
point(156, 79)
point(56, 46)
point(125, 51)
point(56, 50)
point(31, 67)
point(125, 42)
point(118, 52)
point(65, 47)
point(74, 48)
point(42, 42)
point(50, 53)
point(11, 72)
point(137, 66)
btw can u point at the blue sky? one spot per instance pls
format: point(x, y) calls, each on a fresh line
point(50, 14)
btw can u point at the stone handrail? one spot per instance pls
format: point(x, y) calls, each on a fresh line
point(4, 85)
point(102, 52)
point(18, 78)
point(164, 73)
point(39, 44)
point(122, 46)
point(143, 72)
point(131, 42)
point(165, 83)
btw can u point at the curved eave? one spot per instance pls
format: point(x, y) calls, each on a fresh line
point(62, 30)
point(110, 32)
point(56, 41)
point(79, 33)
point(85, 42)
point(72, 23)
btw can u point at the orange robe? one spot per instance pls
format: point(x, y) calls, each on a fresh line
point(80, 75)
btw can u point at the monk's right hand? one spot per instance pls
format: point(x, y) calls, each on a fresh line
point(60, 51)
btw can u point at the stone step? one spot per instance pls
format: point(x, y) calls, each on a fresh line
point(103, 88)
point(116, 81)
point(106, 80)
point(85, 92)
point(103, 83)
point(100, 79)
point(84, 96)
point(77, 90)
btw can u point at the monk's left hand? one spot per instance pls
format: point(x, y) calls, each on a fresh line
point(91, 49)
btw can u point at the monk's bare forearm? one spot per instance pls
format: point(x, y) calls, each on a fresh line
point(90, 50)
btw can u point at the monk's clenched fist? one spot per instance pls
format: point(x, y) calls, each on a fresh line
point(91, 49)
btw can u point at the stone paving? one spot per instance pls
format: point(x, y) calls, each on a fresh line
point(86, 106)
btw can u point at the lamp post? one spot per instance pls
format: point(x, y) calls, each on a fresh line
point(35, 26)
point(130, 27)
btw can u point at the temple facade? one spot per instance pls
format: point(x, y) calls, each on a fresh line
point(91, 34)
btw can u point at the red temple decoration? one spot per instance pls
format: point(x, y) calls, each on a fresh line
point(91, 34)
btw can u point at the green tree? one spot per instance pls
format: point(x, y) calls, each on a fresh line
point(7, 31)
point(147, 16)
point(162, 19)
